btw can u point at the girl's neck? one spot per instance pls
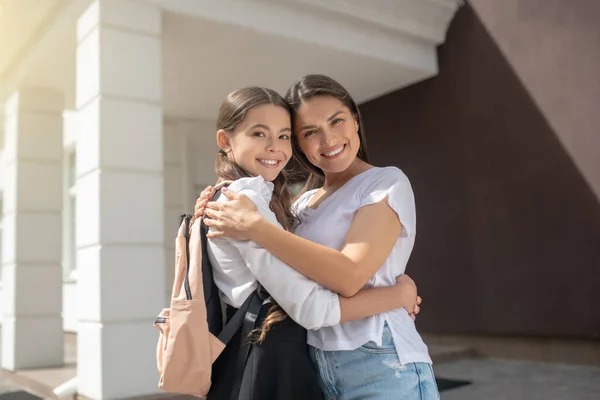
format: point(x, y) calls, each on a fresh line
point(335, 180)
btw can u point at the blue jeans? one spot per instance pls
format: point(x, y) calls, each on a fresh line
point(373, 372)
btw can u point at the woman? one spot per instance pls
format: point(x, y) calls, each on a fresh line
point(254, 129)
point(357, 229)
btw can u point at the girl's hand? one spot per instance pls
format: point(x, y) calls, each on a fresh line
point(407, 290)
point(235, 218)
point(202, 201)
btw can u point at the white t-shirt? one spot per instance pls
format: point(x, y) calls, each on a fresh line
point(328, 225)
point(237, 265)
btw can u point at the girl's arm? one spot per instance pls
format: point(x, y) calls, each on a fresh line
point(373, 301)
point(368, 243)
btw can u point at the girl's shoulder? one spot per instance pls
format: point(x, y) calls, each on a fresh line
point(255, 184)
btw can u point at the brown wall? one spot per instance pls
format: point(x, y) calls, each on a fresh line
point(554, 48)
point(508, 229)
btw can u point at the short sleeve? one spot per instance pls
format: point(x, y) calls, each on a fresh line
point(255, 184)
point(302, 202)
point(392, 183)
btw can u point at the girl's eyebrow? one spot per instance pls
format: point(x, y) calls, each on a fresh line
point(260, 126)
point(267, 128)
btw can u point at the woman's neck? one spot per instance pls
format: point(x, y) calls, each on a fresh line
point(335, 180)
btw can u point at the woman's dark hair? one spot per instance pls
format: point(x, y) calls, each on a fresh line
point(232, 112)
point(320, 85)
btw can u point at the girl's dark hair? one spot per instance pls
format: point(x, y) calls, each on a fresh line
point(320, 85)
point(232, 112)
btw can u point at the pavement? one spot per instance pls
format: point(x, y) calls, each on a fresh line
point(492, 378)
point(497, 379)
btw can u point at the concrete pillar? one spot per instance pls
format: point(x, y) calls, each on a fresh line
point(120, 198)
point(176, 182)
point(32, 335)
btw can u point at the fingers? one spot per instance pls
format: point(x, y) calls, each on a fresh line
point(416, 310)
point(419, 300)
point(213, 205)
point(214, 231)
point(230, 194)
point(215, 234)
point(212, 214)
point(213, 224)
point(199, 208)
point(413, 317)
point(206, 193)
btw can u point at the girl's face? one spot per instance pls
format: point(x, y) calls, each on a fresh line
point(260, 144)
point(327, 133)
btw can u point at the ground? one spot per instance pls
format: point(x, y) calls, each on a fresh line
point(495, 379)
point(512, 380)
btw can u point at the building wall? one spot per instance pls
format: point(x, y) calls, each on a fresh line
point(189, 153)
point(508, 226)
point(186, 152)
point(553, 46)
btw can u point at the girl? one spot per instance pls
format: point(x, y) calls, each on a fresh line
point(357, 229)
point(254, 130)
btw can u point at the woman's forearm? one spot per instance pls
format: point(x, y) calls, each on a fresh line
point(342, 274)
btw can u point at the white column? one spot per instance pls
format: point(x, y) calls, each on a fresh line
point(120, 198)
point(32, 335)
point(202, 151)
point(175, 190)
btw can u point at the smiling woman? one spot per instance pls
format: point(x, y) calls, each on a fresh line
point(254, 129)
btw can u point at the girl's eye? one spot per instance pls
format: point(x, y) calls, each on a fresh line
point(259, 134)
point(284, 137)
point(308, 133)
point(337, 121)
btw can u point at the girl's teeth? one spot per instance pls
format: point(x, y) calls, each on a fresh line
point(270, 162)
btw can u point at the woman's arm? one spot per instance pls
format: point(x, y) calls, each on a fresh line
point(307, 302)
point(369, 241)
point(313, 306)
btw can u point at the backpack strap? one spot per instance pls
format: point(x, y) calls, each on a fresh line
point(186, 282)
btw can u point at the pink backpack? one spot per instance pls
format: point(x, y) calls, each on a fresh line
point(192, 334)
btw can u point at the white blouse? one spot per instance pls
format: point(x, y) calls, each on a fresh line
point(328, 225)
point(237, 265)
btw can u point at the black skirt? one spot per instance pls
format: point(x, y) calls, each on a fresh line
point(279, 368)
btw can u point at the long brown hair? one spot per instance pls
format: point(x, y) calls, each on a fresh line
point(232, 112)
point(320, 85)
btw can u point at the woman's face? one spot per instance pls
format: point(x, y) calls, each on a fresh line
point(260, 144)
point(327, 133)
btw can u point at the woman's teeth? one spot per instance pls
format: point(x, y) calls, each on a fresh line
point(334, 152)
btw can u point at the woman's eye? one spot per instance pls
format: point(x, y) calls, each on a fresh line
point(337, 121)
point(308, 133)
point(259, 134)
point(284, 137)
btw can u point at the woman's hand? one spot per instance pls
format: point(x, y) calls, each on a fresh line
point(235, 218)
point(407, 290)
